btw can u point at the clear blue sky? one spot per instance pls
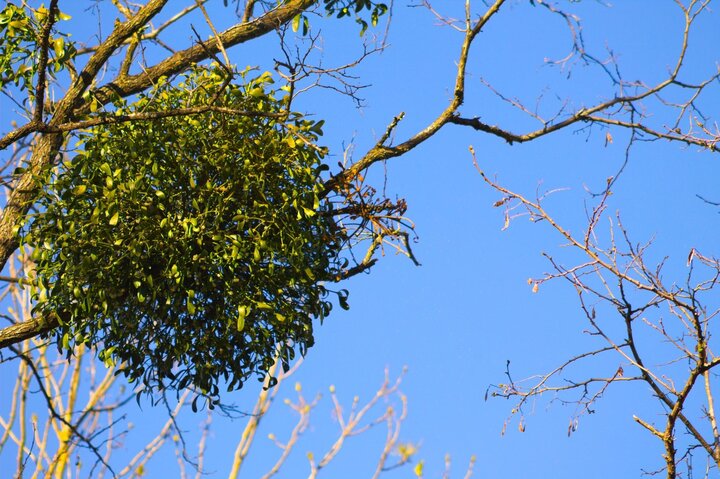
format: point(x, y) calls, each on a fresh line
point(457, 319)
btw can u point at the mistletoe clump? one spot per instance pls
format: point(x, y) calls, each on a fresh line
point(191, 249)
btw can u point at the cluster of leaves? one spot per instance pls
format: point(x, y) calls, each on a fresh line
point(346, 8)
point(193, 248)
point(20, 45)
point(343, 8)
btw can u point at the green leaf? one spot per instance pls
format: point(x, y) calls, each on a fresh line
point(317, 127)
point(242, 314)
point(59, 46)
point(115, 218)
point(309, 273)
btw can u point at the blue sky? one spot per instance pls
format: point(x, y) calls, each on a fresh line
point(457, 319)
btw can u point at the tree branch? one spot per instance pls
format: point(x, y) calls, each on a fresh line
point(27, 329)
point(129, 85)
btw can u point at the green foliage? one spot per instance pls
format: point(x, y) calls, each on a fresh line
point(342, 8)
point(19, 46)
point(346, 8)
point(191, 249)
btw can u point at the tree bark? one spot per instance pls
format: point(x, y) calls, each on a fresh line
point(27, 329)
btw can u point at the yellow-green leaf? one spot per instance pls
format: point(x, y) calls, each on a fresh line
point(41, 13)
point(115, 218)
point(59, 45)
point(242, 314)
